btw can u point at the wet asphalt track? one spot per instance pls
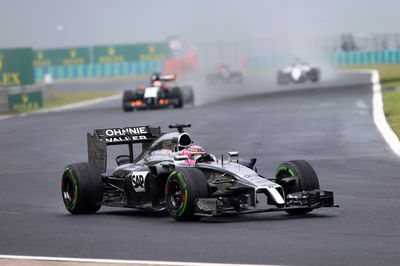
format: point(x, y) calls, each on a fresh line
point(331, 128)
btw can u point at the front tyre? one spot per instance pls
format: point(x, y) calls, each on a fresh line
point(183, 187)
point(81, 188)
point(297, 176)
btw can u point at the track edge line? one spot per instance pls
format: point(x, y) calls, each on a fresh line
point(379, 114)
point(117, 261)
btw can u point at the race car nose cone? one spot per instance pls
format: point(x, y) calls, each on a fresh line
point(296, 73)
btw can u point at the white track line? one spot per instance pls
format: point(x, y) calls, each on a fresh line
point(379, 115)
point(108, 261)
point(66, 107)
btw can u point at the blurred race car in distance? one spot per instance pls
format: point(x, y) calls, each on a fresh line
point(173, 174)
point(161, 93)
point(223, 74)
point(298, 72)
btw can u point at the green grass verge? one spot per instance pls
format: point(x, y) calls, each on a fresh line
point(63, 98)
point(391, 106)
point(390, 78)
point(389, 73)
point(391, 84)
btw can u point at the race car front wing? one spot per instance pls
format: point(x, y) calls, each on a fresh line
point(300, 200)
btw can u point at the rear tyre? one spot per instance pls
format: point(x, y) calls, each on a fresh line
point(81, 188)
point(126, 101)
point(183, 187)
point(177, 94)
point(314, 75)
point(297, 176)
point(188, 95)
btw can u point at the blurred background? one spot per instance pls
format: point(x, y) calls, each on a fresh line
point(86, 40)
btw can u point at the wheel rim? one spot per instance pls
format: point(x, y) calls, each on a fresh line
point(284, 171)
point(69, 189)
point(176, 195)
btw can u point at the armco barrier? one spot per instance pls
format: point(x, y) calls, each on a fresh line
point(365, 57)
point(259, 62)
point(335, 59)
point(105, 70)
point(278, 61)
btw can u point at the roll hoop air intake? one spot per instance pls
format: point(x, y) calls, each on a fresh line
point(183, 140)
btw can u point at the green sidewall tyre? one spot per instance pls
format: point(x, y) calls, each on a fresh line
point(176, 179)
point(69, 183)
point(182, 189)
point(81, 188)
point(307, 180)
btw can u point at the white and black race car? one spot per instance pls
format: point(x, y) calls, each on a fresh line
point(299, 72)
point(160, 177)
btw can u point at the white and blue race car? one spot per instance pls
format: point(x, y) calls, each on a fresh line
point(298, 72)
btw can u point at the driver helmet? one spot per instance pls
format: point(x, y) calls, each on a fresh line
point(156, 80)
point(193, 152)
point(155, 76)
point(156, 83)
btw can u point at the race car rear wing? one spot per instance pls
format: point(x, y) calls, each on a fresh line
point(101, 138)
point(163, 77)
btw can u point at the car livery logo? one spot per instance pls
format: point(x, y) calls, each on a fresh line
point(138, 180)
point(73, 53)
point(25, 98)
point(116, 135)
point(152, 48)
point(111, 51)
point(39, 55)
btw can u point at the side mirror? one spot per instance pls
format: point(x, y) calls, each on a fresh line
point(233, 154)
point(122, 159)
point(253, 162)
